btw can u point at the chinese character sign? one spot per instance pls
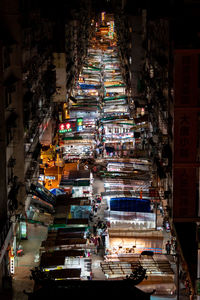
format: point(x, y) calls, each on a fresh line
point(184, 192)
point(186, 77)
point(185, 133)
point(185, 136)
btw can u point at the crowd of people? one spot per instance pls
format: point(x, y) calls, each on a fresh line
point(98, 226)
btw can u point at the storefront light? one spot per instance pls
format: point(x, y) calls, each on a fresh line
point(65, 127)
point(62, 127)
point(12, 264)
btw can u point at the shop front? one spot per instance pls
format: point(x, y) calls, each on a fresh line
point(80, 212)
point(130, 220)
point(67, 260)
point(123, 241)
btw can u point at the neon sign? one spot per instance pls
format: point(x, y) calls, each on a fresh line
point(12, 264)
point(103, 16)
point(71, 126)
point(65, 127)
point(68, 126)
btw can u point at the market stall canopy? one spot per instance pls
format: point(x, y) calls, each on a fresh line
point(74, 201)
point(145, 194)
point(57, 192)
point(53, 171)
point(132, 233)
point(76, 178)
point(129, 216)
point(77, 221)
point(63, 199)
point(55, 261)
point(71, 231)
point(82, 174)
point(130, 204)
point(82, 211)
point(61, 253)
point(158, 267)
point(61, 212)
point(69, 241)
point(64, 235)
point(65, 273)
point(43, 193)
point(42, 206)
point(68, 228)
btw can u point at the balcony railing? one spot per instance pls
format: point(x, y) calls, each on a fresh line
point(4, 234)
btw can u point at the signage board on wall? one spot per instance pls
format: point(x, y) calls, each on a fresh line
point(186, 93)
point(71, 125)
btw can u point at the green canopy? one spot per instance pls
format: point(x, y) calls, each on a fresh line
point(70, 138)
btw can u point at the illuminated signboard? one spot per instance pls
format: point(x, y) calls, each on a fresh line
point(79, 124)
point(12, 264)
point(103, 16)
point(65, 127)
point(72, 125)
point(23, 230)
point(111, 29)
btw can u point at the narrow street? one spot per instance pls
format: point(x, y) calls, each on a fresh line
point(97, 212)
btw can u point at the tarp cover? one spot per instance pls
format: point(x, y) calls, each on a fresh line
point(65, 273)
point(77, 221)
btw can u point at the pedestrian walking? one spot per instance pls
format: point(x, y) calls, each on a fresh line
point(91, 217)
point(99, 223)
point(99, 241)
point(96, 244)
point(103, 226)
point(93, 207)
point(103, 239)
point(168, 247)
point(89, 277)
point(95, 229)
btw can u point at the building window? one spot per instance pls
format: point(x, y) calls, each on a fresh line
point(9, 174)
point(8, 97)
point(9, 135)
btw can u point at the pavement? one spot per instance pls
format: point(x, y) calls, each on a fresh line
point(30, 259)
point(96, 267)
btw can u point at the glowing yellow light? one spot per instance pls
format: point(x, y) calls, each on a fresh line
point(12, 264)
point(102, 16)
